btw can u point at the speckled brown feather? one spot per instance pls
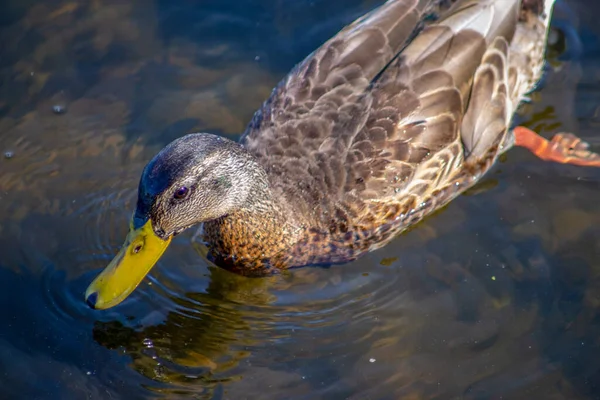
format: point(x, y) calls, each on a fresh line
point(386, 122)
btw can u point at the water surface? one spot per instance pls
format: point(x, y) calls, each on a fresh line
point(495, 297)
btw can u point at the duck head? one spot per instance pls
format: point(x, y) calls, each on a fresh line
point(196, 178)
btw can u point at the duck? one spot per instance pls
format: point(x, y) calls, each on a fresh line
point(389, 120)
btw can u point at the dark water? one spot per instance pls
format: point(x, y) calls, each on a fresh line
point(496, 297)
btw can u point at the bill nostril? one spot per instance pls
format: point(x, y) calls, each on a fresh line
point(92, 299)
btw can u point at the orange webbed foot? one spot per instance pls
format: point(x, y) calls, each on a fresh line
point(565, 148)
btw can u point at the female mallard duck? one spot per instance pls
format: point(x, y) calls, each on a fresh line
point(389, 120)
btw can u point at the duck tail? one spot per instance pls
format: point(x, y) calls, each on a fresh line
point(528, 47)
point(517, 63)
point(536, 7)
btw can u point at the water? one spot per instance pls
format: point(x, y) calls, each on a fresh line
point(495, 297)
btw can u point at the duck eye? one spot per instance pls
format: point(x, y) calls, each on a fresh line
point(181, 193)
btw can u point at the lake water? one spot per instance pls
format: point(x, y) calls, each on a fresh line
point(495, 297)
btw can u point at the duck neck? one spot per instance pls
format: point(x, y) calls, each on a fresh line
point(251, 238)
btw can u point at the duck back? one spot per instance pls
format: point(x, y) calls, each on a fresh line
point(396, 115)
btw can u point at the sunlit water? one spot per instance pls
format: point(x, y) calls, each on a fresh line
point(495, 297)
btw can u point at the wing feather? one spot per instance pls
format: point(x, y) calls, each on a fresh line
point(375, 115)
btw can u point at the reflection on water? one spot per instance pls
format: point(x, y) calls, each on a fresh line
point(494, 297)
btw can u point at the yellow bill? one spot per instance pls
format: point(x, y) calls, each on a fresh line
point(141, 250)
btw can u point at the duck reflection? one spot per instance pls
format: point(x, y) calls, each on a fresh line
point(200, 342)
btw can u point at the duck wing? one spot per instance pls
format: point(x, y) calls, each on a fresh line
point(318, 109)
point(373, 117)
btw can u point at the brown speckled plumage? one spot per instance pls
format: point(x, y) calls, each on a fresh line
point(389, 120)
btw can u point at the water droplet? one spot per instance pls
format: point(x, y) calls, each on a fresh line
point(372, 360)
point(148, 343)
point(9, 154)
point(159, 371)
point(59, 109)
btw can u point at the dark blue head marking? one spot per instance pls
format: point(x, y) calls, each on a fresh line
point(158, 175)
